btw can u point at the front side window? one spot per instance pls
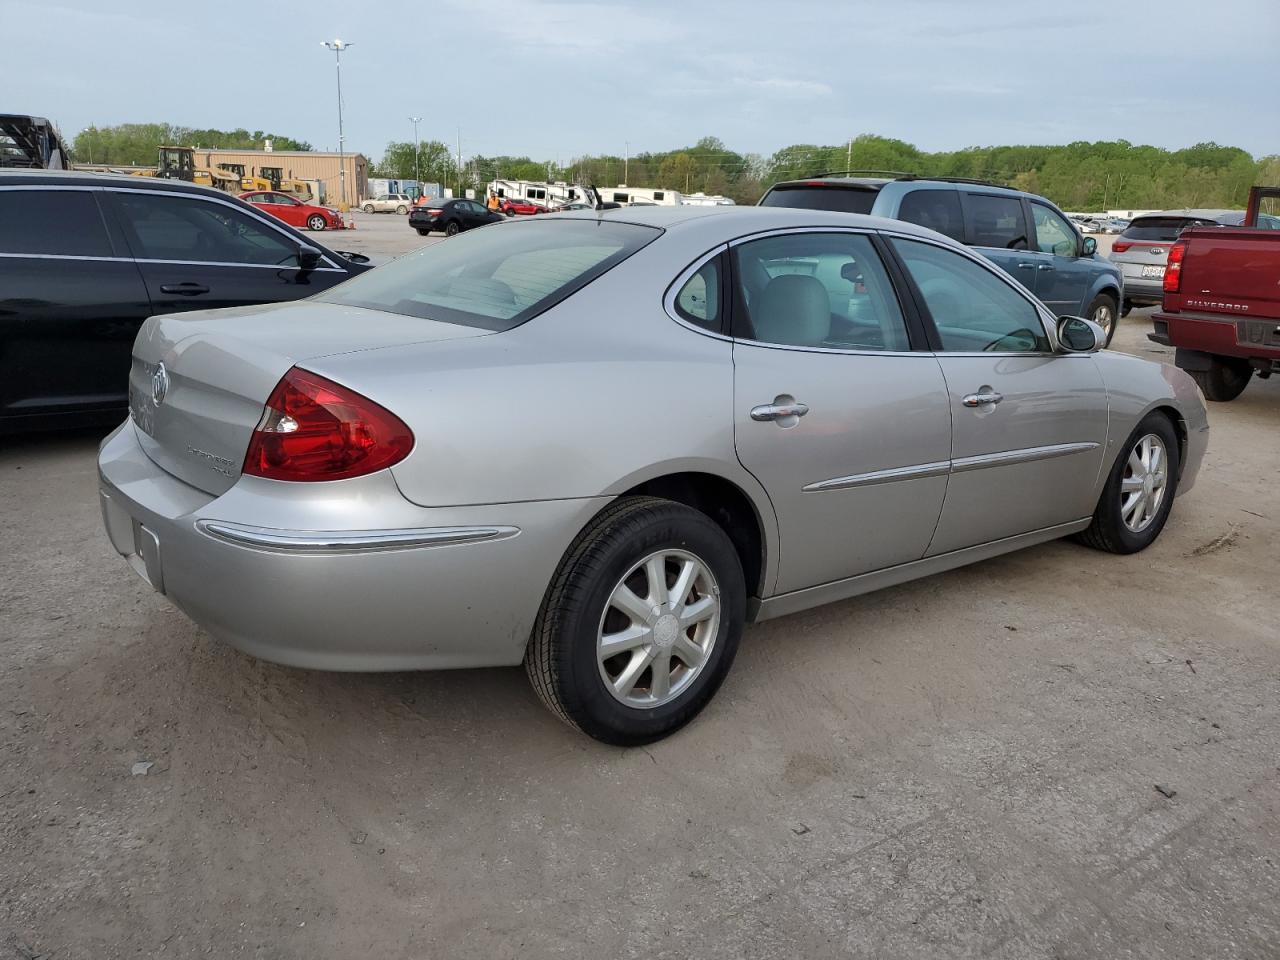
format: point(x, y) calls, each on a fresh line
point(499, 277)
point(973, 309)
point(698, 300)
point(1053, 234)
point(171, 227)
point(63, 222)
point(826, 290)
point(995, 221)
point(936, 209)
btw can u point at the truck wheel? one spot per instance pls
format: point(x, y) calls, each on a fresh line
point(1103, 312)
point(1224, 380)
point(1139, 493)
point(640, 624)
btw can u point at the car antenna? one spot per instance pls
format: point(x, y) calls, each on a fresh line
point(597, 201)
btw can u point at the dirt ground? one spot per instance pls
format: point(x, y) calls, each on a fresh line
point(1056, 754)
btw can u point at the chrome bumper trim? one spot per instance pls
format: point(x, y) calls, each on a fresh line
point(348, 541)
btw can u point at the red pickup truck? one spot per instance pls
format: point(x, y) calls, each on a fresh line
point(1221, 310)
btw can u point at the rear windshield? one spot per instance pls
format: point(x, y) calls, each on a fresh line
point(498, 276)
point(806, 196)
point(1164, 229)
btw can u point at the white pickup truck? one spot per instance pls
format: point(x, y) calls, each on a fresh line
point(388, 203)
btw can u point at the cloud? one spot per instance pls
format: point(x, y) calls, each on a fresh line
point(783, 86)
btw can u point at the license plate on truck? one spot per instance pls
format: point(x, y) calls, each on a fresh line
point(1153, 273)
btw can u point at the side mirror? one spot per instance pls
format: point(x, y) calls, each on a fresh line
point(308, 256)
point(1078, 335)
point(1090, 246)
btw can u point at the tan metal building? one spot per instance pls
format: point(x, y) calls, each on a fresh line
point(302, 165)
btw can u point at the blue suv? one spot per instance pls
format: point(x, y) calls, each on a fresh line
point(1026, 235)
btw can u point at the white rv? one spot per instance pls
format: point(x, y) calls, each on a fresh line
point(539, 191)
point(705, 200)
point(640, 196)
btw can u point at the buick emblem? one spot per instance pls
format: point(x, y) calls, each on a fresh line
point(159, 385)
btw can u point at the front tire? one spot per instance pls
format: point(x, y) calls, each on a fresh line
point(452, 228)
point(641, 622)
point(1224, 380)
point(421, 232)
point(1139, 493)
point(1104, 312)
point(316, 222)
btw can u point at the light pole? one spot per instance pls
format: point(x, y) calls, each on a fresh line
point(417, 149)
point(337, 46)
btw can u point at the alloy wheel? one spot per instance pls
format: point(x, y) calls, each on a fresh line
point(658, 628)
point(1142, 488)
point(1105, 317)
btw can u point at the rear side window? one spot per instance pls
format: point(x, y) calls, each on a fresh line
point(805, 196)
point(698, 300)
point(65, 222)
point(1162, 229)
point(996, 221)
point(936, 209)
point(498, 277)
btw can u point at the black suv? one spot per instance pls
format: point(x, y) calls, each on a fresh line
point(1025, 235)
point(85, 258)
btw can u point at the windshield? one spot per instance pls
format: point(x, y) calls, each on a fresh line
point(499, 276)
point(807, 196)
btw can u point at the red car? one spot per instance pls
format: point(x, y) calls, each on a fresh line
point(293, 211)
point(525, 207)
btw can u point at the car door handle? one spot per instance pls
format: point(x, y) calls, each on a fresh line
point(779, 411)
point(188, 289)
point(1025, 266)
point(983, 398)
point(1045, 266)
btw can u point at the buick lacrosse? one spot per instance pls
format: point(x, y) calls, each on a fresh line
point(601, 443)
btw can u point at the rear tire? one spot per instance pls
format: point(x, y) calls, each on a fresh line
point(315, 222)
point(1224, 380)
point(631, 698)
point(1131, 512)
point(1104, 312)
point(368, 208)
point(452, 228)
point(402, 209)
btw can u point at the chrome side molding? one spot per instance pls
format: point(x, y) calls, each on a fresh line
point(348, 541)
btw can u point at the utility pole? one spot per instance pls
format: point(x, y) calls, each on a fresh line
point(848, 155)
point(337, 46)
point(459, 161)
point(626, 161)
point(417, 148)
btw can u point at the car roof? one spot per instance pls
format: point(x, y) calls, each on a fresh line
point(81, 178)
point(742, 220)
point(1195, 213)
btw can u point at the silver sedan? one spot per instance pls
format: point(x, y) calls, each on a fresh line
point(601, 443)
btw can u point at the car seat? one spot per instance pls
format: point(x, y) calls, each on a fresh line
point(793, 309)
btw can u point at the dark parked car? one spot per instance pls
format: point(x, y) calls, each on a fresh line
point(451, 216)
point(1025, 235)
point(86, 258)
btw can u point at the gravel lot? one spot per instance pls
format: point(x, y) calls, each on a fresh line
point(963, 766)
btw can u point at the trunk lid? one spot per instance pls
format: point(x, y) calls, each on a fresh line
point(1231, 271)
point(199, 381)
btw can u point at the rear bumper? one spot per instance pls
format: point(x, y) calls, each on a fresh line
point(338, 576)
point(1219, 336)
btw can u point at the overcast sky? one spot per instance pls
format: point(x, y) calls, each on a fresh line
point(564, 78)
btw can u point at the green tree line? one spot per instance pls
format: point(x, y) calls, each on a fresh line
point(1077, 176)
point(137, 144)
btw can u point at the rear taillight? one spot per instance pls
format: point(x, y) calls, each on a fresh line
point(1120, 246)
point(1173, 268)
point(434, 211)
point(315, 429)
